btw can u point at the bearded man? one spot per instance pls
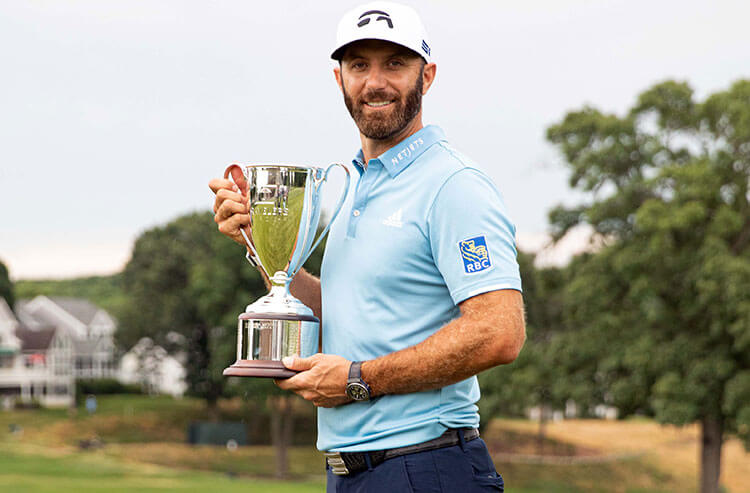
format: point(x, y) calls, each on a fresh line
point(419, 288)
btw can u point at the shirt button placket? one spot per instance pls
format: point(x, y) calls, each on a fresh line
point(355, 218)
point(360, 200)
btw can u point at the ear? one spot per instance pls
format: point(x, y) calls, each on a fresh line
point(337, 74)
point(428, 77)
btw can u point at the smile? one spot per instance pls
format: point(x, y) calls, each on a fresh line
point(378, 104)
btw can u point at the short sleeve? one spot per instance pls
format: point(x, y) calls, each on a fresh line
point(471, 237)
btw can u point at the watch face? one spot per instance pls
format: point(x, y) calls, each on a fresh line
point(357, 391)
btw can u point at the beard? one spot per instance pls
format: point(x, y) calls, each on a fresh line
point(383, 127)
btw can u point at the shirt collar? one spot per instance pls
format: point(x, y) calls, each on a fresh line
point(399, 157)
point(359, 162)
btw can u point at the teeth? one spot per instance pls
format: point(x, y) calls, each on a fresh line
point(377, 104)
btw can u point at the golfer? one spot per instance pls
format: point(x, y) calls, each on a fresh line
point(420, 288)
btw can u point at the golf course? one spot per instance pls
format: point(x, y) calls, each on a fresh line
point(138, 443)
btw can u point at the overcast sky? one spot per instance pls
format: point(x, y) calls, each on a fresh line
point(115, 114)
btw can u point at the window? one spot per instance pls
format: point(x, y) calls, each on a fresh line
point(35, 360)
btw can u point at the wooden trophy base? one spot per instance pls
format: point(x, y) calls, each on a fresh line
point(258, 368)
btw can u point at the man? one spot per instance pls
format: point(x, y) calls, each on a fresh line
point(419, 289)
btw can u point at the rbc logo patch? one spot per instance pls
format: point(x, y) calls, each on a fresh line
point(475, 255)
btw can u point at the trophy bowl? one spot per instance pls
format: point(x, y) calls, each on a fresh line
point(284, 204)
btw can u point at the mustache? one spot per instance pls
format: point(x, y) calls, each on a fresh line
point(378, 95)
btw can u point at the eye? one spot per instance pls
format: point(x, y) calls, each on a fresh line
point(395, 63)
point(358, 65)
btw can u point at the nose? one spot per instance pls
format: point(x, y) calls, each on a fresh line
point(376, 79)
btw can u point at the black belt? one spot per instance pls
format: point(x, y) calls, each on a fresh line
point(343, 463)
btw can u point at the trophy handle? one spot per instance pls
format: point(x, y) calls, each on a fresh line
point(336, 210)
point(229, 174)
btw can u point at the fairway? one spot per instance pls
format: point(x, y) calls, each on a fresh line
point(92, 472)
point(145, 451)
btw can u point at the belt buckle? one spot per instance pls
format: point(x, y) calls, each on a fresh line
point(336, 463)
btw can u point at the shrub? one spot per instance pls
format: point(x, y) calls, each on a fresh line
point(103, 386)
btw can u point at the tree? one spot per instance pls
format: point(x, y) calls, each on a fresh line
point(663, 308)
point(103, 291)
point(6, 286)
point(185, 285)
point(535, 378)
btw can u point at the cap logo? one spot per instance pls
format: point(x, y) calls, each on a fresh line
point(365, 18)
point(425, 47)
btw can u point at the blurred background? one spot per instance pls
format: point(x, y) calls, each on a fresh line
point(618, 133)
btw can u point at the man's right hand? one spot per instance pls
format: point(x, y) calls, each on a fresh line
point(231, 208)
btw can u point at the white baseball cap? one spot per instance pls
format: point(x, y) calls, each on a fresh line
point(387, 21)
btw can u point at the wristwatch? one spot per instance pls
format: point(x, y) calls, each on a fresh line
point(356, 388)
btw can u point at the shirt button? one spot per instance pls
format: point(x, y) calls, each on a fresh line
point(356, 212)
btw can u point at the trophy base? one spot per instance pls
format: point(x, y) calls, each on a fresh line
point(258, 368)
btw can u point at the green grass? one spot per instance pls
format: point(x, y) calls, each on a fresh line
point(636, 473)
point(98, 472)
point(95, 473)
point(145, 450)
point(129, 404)
point(119, 419)
point(257, 461)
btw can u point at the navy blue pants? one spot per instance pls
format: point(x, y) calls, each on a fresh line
point(446, 470)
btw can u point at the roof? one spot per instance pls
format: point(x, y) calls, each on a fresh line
point(82, 309)
point(77, 314)
point(75, 317)
point(5, 311)
point(34, 340)
point(23, 314)
point(36, 318)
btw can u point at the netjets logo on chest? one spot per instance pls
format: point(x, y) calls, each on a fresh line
point(394, 220)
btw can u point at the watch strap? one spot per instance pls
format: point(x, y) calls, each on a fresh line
point(355, 372)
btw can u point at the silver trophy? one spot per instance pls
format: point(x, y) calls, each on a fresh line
point(284, 206)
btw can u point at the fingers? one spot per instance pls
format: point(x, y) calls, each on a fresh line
point(228, 204)
point(230, 208)
point(239, 177)
point(224, 195)
point(225, 190)
point(300, 380)
point(292, 383)
point(222, 183)
point(299, 364)
point(321, 379)
point(231, 226)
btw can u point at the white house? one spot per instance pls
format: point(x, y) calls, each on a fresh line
point(49, 342)
point(89, 327)
point(35, 365)
point(151, 366)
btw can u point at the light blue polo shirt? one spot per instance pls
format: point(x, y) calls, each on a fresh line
point(422, 230)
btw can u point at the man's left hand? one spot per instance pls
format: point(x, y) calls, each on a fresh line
point(321, 379)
